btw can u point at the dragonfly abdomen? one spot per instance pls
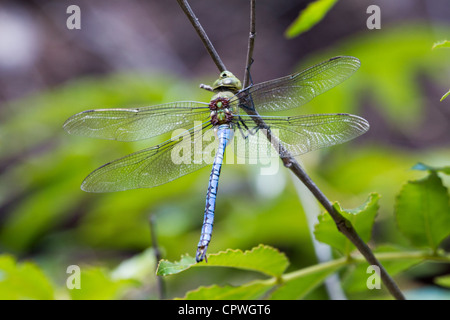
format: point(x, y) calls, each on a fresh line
point(224, 134)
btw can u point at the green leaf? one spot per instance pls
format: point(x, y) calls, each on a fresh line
point(262, 259)
point(422, 211)
point(97, 284)
point(443, 281)
point(309, 17)
point(251, 290)
point(445, 96)
point(441, 44)
point(362, 219)
point(23, 281)
point(424, 167)
point(166, 267)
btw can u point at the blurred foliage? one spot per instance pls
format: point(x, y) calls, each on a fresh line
point(425, 225)
point(23, 280)
point(309, 17)
point(442, 44)
point(394, 64)
point(445, 95)
point(45, 216)
point(423, 211)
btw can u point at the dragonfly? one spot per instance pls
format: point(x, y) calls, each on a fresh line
point(232, 111)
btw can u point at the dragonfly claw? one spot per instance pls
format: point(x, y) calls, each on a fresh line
point(201, 254)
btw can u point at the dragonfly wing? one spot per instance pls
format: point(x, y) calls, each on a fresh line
point(151, 167)
point(298, 89)
point(136, 123)
point(302, 134)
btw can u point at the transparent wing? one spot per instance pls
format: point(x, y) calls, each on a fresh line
point(298, 89)
point(153, 166)
point(136, 123)
point(299, 134)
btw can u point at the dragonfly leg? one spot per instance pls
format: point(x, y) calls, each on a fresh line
point(244, 135)
point(206, 87)
point(252, 131)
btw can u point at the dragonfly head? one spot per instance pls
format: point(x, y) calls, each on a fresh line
point(227, 81)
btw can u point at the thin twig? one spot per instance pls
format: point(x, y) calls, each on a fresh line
point(342, 224)
point(203, 36)
point(251, 43)
point(159, 280)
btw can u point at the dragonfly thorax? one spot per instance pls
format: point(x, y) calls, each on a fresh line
point(221, 110)
point(226, 87)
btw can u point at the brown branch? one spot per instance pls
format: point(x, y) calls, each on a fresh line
point(202, 34)
point(251, 44)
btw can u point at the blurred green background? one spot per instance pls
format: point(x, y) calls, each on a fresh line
point(137, 53)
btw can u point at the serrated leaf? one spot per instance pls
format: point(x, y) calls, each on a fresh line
point(262, 259)
point(252, 290)
point(309, 17)
point(441, 44)
point(166, 267)
point(422, 211)
point(23, 281)
point(362, 219)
